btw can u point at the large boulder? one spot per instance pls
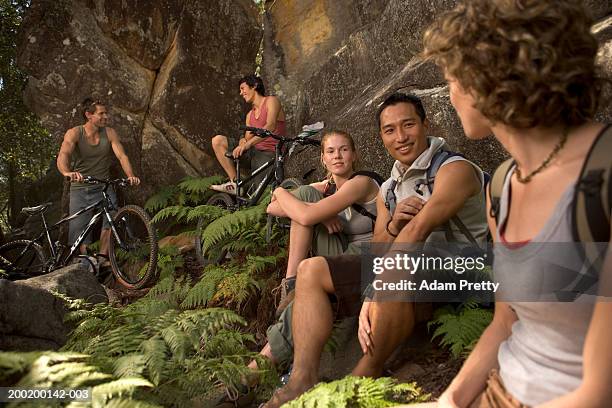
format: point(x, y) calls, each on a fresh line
point(32, 318)
point(339, 66)
point(168, 69)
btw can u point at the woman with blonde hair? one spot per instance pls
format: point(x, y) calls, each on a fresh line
point(332, 216)
point(328, 218)
point(524, 70)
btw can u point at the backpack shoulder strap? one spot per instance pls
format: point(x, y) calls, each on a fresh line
point(371, 174)
point(378, 179)
point(593, 195)
point(437, 161)
point(496, 186)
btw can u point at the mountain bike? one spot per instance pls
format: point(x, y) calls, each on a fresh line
point(132, 251)
point(274, 177)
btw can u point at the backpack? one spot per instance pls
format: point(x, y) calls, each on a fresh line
point(331, 189)
point(591, 205)
point(437, 160)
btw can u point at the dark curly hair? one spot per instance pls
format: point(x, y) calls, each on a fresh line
point(254, 82)
point(526, 62)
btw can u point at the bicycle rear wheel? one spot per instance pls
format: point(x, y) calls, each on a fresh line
point(133, 256)
point(26, 259)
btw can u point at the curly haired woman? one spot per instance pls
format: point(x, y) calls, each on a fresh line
point(524, 70)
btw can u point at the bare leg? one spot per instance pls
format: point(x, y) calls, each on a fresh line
point(220, 146)
point(300, 241)
point(105, 241)
point(312, 326)
point(392, 323)
point(266, 351)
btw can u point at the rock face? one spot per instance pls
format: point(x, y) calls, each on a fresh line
point(168, 69)
point(31, 318)
point(336, 60)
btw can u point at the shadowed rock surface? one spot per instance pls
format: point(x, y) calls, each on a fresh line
point(169, 70)
point(336, 67)
point(32, 318)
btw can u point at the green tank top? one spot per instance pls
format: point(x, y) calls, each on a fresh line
point(91, 160)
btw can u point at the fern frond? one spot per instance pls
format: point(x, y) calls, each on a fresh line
point(129, 403)
point(458, 328)
point(230, 225)
point(359, 392)
point(207, 213)
point(205, 289)
point(179, 212)
point(131, 365)
point(198, 184)
point(155, 354)
point(125, 386)
point(160, 199)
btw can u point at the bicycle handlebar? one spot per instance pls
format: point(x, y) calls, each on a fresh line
point(266, 133)
point(92, 180)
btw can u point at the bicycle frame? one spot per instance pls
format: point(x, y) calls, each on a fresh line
point(106, 205)
point(277, 174)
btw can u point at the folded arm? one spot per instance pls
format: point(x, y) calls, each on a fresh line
point(354, 190)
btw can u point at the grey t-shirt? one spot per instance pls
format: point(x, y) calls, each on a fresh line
point(542, 358)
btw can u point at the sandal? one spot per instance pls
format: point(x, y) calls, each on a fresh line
point(229, 187)
point(287, 293)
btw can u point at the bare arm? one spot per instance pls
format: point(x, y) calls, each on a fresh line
point(63, 157)
point(595, 391)
point(472, 377)
point(119, 151)
point(382, 217)
point(354, 190)
point(455, 183)
point(275, 209)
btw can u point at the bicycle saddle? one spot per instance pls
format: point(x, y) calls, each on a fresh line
point(35, 210)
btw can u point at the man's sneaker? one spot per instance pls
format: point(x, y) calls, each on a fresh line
point(229, 187)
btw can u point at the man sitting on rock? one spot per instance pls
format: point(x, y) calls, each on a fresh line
point(266, 113)
point(418, 216)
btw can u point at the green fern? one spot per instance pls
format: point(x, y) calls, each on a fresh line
point(460, 328)
point(198, 185)
point(359, 392)
point(101, 394)
point(203, 291)
point(161, 199)
point(205, 212)
point(231, 225)
point(178, 212)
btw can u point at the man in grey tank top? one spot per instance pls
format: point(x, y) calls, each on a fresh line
point(86, 151)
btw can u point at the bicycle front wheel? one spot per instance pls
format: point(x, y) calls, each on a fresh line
point(25, 258)
point(133, 251)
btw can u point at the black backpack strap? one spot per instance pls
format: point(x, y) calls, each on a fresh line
point(436, 162)
point(371, 174)
point(391, 198)
point(330, 189)
point(496, 185)
point(378, 179)
point(593, 195)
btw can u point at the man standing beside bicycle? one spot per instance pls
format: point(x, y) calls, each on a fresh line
point(266, 113)
point(86, 151)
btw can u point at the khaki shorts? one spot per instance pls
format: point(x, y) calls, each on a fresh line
point(81, 198)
